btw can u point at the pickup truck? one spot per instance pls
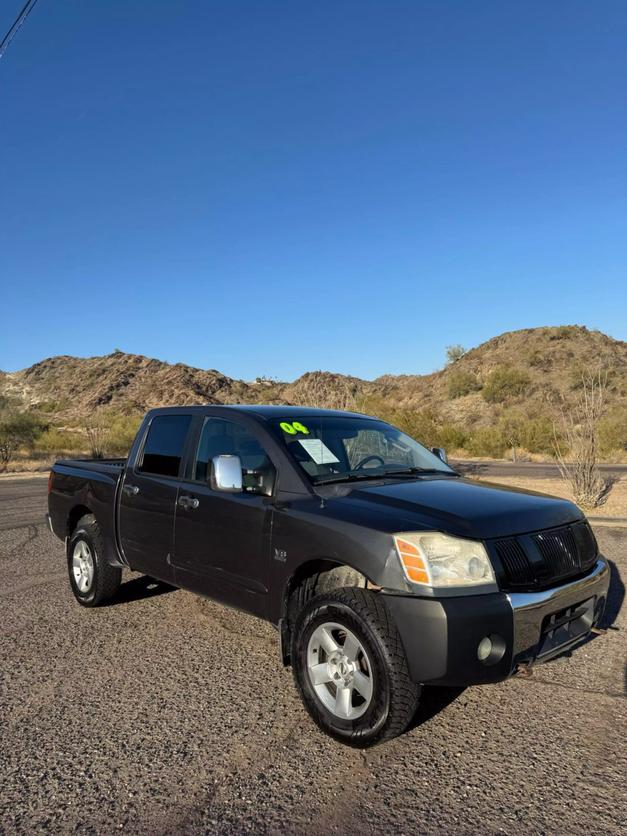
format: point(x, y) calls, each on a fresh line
point(380, 566)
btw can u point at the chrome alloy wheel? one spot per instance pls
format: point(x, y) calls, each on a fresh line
point(82, 566)
point(339, 671)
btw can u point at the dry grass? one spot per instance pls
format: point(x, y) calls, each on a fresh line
point(615, 506)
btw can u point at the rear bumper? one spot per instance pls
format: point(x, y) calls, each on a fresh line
point(441, 637)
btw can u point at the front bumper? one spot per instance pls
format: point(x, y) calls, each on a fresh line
point(441, 636)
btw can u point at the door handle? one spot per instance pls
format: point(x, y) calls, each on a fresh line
point(188, 502)
point(130, 490)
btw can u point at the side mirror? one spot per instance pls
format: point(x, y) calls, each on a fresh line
point(440, 452)
point(226, 474)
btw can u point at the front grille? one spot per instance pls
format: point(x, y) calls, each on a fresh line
point(559, 551)
point(539, 559)
point(515, 561)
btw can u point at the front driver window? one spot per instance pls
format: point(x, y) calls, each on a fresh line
point(221, 437)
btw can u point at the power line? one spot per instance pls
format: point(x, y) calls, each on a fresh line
point(19, 20)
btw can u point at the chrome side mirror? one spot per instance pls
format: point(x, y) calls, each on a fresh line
point(440, 452)
point(226, 474)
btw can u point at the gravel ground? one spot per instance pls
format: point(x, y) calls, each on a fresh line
point(167, 713)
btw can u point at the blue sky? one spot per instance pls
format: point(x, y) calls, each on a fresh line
point(272, 187)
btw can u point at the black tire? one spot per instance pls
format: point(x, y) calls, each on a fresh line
point(106, 579)
point(394, 696)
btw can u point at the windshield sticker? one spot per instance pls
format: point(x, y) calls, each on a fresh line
point(295, 427)
point(318, 451)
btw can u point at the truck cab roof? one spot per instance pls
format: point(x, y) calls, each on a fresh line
point(266, 411)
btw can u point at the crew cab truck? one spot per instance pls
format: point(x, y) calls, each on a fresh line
point(381, 567)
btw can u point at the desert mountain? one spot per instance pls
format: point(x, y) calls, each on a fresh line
point(535, 369)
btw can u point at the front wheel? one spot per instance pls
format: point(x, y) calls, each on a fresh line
point(350, 667)
point(92, 579)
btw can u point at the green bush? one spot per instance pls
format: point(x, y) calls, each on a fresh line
point(462, 383)
point(121, 433)
point(513, 430)
point(504, 383)
point(486, 441)
point(451, 437)
point(56, 442)
point(17, 430)
point(419, 425)
point(613, 432)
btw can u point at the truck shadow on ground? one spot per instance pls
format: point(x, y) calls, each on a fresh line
point(137, 589)
point(433, 700)
point(615, 598)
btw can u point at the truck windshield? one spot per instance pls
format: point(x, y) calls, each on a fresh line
point(343, 449)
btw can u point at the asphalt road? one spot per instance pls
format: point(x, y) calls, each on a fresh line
point(538, 470)
point(167, 713)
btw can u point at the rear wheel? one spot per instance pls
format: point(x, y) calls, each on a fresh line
point(92, 579)
point(350, 667)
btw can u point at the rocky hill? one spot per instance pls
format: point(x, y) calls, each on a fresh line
point(535, 369)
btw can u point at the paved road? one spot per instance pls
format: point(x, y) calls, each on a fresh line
point(22, 501)
point(167, 713)
point(538, 470)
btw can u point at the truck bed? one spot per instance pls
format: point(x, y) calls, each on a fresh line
point(113, 466)
point(79, 486)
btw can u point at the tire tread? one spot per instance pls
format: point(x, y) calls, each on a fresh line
point(372, 610)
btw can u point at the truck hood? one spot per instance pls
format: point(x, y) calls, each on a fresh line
point(460, 506)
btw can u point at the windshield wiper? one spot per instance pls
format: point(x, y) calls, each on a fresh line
point(382, 474)
point(413, 471)
point(349, 477)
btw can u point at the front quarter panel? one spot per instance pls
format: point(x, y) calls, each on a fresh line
point(308, 529)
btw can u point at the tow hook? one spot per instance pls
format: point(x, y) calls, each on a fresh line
point(599, 631)
point(525, 670)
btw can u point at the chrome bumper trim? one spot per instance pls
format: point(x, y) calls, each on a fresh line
point(530, 608)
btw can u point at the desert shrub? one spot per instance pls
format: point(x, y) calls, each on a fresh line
point(561, 332)
point(58, 441)
point(419, 425)
point(486, 441)
point(17, 430)
point(121, 434)
point(462, 383)
point(577, 454)
point(613, 432)
point(512, 432)
point(537, 435)
point(454, 353)
point(451, 437)
point(423, 425)
point(48, 407)
point(503, 383)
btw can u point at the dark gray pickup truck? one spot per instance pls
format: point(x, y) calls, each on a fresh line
point(381, 567)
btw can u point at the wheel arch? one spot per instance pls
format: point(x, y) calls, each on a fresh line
point(76, 513)
point(314, 576)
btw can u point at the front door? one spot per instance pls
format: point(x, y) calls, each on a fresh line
point(148, 499)
point(222, 540)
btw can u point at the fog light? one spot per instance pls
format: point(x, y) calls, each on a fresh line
point(484, 648)
point(491, 649)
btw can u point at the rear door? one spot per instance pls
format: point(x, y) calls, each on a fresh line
point(222, 540)
point(148, 496)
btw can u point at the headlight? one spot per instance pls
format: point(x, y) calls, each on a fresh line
point(435, 559)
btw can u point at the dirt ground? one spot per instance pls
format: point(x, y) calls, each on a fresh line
point(614, 506)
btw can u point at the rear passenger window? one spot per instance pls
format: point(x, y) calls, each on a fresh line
point(164, 445)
